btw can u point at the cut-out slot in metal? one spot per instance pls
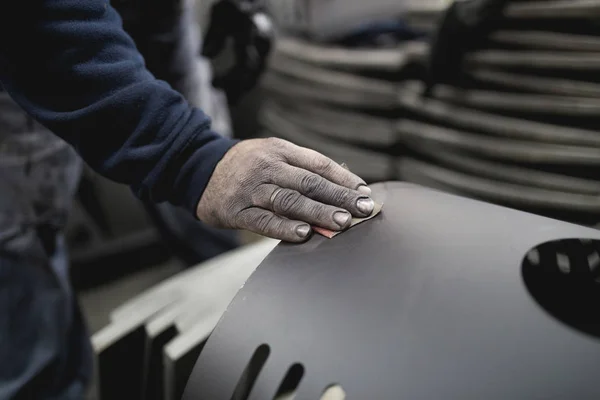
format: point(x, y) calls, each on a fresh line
point(291, 381)
point(562, 260)
point(250, 374)
point(534, 257)
point(564, 278)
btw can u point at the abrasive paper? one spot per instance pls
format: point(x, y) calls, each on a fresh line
point(355, 221)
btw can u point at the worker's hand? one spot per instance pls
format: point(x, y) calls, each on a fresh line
point(277, 189)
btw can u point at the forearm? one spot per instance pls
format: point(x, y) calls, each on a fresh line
point(79, 73)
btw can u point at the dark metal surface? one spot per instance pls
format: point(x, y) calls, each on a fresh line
point(554, 9)
point(546, 40)
point(425, 301)
point(335, 123)
point(468, 119)
point(378, 59)
point(494, 190)
point(532, 104)
point(530, 177)
point(503, 149)
point(534, 84)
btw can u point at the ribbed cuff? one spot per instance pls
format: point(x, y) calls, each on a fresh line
point(200, 166)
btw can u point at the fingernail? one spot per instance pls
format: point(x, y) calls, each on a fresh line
point(364, 189)
point(365, 205)
point(345, 166)
point(303, 230)
point(341, 218)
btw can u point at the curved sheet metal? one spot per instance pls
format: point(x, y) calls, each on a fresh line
point(533, 83)
point(528, 177)
point(370, 165)
point(547, 40)
point(330, 56)
point(348, 126)
point(318, 83)
point(535, 60)
point(326, 21)
point(496, 148)
point(497, 191)
point(425, 301)
point(370, 89)
point(554, 9)
point(282, 86)
point(532, 104)
point(449, 114)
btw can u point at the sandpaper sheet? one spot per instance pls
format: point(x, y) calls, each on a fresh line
point(355, 221)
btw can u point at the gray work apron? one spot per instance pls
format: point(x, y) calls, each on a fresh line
point(44, 347)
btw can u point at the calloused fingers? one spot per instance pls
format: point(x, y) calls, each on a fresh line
point(292, 204)
point(319, 164)
point(269, 224)
point(324, 191)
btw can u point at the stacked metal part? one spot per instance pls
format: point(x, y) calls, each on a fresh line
point(519, 129)
point(151, 344)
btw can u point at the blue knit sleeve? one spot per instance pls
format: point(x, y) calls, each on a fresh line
point(70, 65)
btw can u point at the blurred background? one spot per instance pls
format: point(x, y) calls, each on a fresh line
point(498, 102)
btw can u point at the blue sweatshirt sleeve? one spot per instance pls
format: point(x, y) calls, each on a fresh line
point(70, 64)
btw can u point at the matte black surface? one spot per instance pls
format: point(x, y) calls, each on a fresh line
point(120, 367)
point(426, 301)
point(177, 372)
point(153, 383)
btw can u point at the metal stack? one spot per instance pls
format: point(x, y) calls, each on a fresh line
point(148, 350)
point(519, 130)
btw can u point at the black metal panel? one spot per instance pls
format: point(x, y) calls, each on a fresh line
point(120, 366)
point(426, 301)
point(153, 383)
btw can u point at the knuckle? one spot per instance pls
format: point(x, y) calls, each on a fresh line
point(275, 142)
point(312, 184)
point(263, 162)
point(266, 164)
point(265, 221)
point(320, 211)
point(264, 169)
point(343, 197)
point(272, 169)
point(260, 195)
point(286, 201)
point(231, 206)
point(322, 164)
